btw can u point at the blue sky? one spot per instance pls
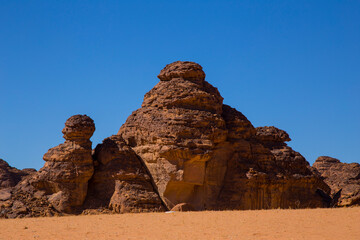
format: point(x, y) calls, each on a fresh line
point(292, 64)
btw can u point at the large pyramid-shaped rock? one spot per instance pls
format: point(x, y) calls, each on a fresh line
point(208, 155)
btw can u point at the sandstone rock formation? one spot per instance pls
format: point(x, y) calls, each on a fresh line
point(182, 150)
point(121, 181)
point(69, 166)
point(343, 179)
point(208, 155)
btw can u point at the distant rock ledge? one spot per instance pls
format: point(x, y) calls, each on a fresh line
point(342, 178)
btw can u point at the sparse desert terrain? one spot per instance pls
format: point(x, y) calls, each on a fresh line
point(341, 223)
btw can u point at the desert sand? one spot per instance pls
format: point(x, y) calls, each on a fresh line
point(341, 223)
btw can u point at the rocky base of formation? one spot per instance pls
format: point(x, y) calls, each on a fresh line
point(183, 150)
point(25, 201)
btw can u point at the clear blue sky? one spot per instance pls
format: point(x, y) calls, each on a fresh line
point(292, 64)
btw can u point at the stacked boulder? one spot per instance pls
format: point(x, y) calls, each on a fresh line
point(69, 166)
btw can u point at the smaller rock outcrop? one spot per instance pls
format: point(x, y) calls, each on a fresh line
point(24, 200)
point(289, 160)
point(68, 166)
point(10, 176)
point(343, 179)
point(272, 137)
point(121, 181)
point(18, 198)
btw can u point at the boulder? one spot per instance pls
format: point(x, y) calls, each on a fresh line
point(207, 154)
point(121, 181)
point(69, 166)
point(343, 179)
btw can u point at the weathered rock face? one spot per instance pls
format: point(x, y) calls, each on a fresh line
point(265, 173)
point(121, 181)
point(343, 179)
point(179, 123)
point(68, 166)
point(208, 155)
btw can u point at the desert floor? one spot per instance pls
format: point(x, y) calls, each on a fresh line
point(321, 224)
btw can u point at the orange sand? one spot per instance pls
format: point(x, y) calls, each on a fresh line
point(307, 224)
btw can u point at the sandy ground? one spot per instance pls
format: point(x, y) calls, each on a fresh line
point(263, 224)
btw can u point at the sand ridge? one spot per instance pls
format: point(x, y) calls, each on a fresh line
point(342, 223)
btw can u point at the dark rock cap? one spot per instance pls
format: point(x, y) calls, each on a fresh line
point(180, 69)
point(78, 127)
point(326, 159)
point(272, 134)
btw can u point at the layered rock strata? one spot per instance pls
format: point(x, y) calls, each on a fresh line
point(343, 179)
point(69, 166)
point(208, 155)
